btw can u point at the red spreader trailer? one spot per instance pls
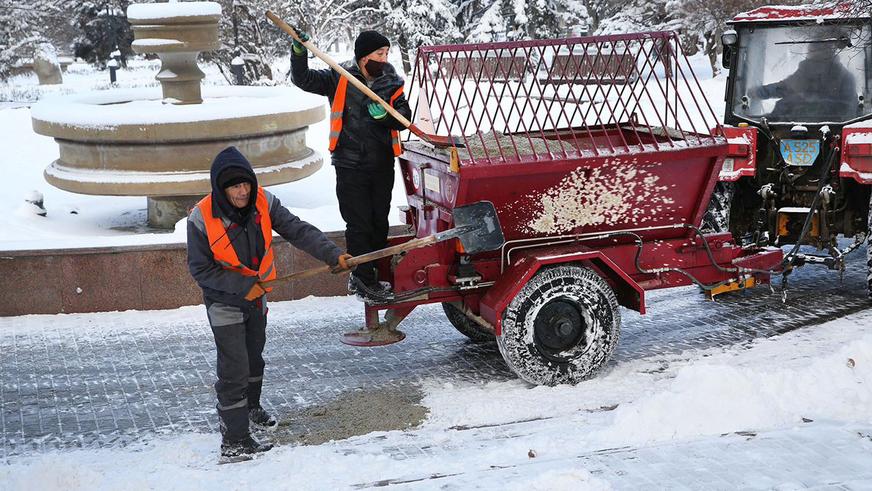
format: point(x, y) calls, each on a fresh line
point(597, 156)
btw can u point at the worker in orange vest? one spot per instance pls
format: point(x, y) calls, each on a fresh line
point(229, 254)
point(364, 143)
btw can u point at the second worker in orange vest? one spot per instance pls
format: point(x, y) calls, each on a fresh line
point(364, 143)
point(229, 253)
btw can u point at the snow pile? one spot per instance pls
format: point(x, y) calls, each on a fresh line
point(159, 11)
point(824, 372)
point(710, 399)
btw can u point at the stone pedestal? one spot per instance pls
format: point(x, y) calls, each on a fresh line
point(46, 65)
point(177, 39)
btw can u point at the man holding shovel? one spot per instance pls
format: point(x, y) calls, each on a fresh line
point(230, 256)
point(364, 141)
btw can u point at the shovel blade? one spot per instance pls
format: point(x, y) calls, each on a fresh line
point(478, 227)
point(381, 336)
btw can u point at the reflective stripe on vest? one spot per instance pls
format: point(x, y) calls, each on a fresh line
point(222, 248)
point(336, 112)
point(395, 135)
point(338, 108)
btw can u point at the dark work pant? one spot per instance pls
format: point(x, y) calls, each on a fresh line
point(240, 336)
point(365, 202)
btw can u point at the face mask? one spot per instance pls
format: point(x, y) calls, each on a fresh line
point(374, 67)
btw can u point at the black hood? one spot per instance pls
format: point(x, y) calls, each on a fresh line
point(230, 157)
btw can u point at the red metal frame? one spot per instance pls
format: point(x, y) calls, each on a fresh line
point(741, 158)
point(857, 154)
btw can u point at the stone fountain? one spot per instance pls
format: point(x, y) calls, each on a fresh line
point(160, 143)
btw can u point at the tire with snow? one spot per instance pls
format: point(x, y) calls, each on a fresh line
point(562, 327)
point(717, 215)
point(468, 327)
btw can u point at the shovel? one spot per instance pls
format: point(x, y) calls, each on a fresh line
point(435, 140)
point(476, 226)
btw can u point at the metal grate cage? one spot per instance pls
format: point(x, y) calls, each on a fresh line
point(562, 98)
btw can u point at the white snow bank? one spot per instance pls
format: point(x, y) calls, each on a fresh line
point(158, 11)
point(715, 397)
point(823, 372)
point(155, 43)
point(111, 108)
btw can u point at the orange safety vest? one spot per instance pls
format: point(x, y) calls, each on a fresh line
point(222, 249)
point(338, 107)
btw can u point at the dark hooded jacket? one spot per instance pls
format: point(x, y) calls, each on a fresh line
point(364, 143)
point(229, 287)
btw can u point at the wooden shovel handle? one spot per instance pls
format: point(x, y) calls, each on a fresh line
point(351, 78)
point(354, 261)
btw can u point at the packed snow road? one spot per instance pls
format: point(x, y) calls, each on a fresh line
point(698, 394)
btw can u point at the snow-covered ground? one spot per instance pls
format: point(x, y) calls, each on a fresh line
point(788, 412)
point(77, 220)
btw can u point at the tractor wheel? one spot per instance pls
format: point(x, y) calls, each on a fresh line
point(468, 327)
point(562, 327)
point(717, 216)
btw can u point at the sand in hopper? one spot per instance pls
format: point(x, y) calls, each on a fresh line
point(494, 141)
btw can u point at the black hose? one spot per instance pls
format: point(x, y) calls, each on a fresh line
point(639, 243)
point(814, 204)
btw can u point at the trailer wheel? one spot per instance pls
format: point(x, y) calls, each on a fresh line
point(562, 327)
point(468, 327)
point(717, 215)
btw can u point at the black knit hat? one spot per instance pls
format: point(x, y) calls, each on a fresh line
point(232, 176)
point(367, 42)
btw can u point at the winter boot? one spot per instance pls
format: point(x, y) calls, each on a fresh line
point(261, 419)
point(241, 450)
point(378, 292)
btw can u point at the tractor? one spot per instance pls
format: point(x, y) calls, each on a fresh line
point(798, 121)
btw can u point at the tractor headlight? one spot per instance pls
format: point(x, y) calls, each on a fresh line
point(729, 38)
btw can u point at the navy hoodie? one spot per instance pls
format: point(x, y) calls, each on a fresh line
point(243, 228)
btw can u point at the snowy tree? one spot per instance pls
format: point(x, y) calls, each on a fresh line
point(413, 23)
point(490, 26)
point(328, 21)
point(529, 19)
point(552, 18)
point(639, 16)
point(703, 22)
point(242, 31)
point(102, 28)
point(24, 25)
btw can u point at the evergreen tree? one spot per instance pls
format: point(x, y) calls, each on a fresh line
point(102, 28)
point(413, 23)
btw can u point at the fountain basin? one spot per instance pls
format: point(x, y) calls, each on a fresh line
point(129, 143)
